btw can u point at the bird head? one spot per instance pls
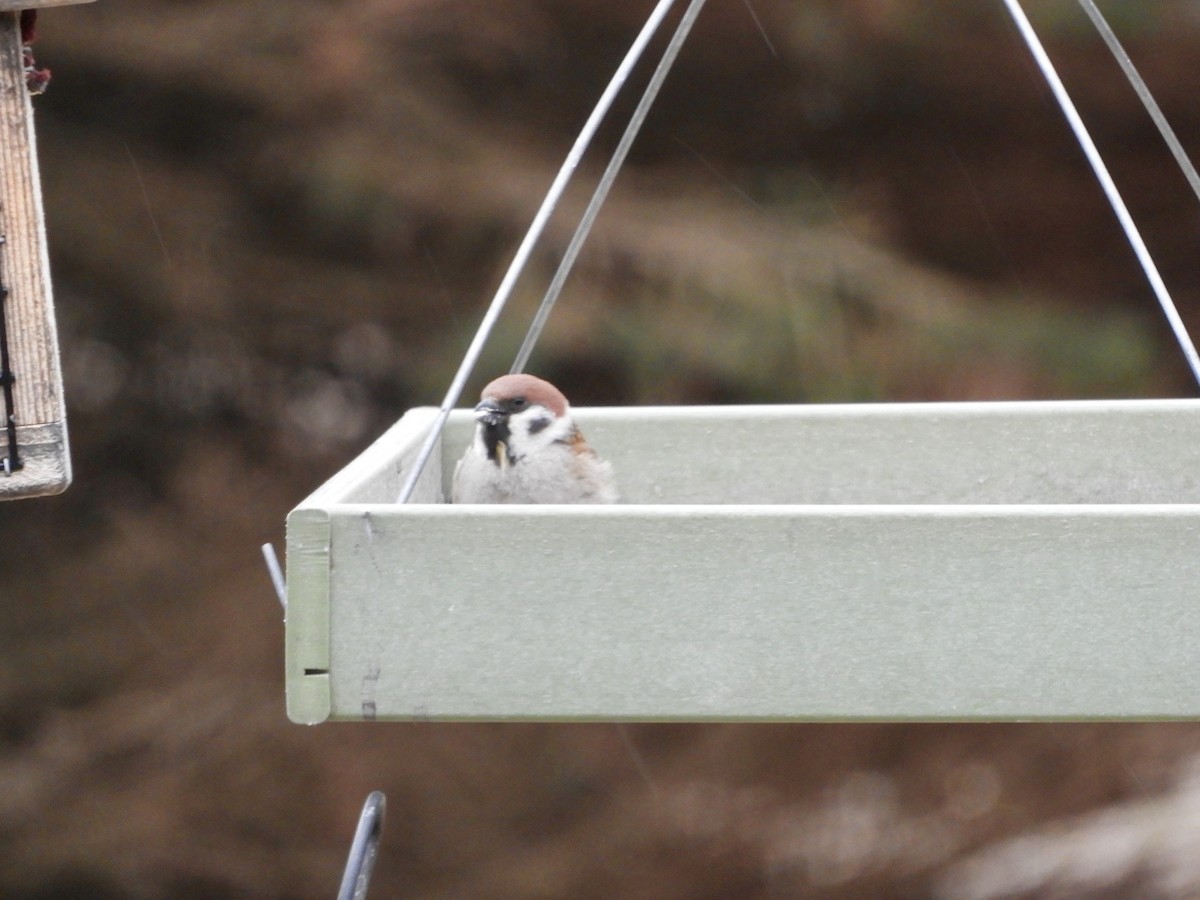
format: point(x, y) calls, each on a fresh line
point(518, 414)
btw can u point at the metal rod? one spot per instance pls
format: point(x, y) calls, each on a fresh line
point(1143, 92)
point(1106, 182)
point(471, 357)
point(361, 861)
point(606, 182)
point(276, 572)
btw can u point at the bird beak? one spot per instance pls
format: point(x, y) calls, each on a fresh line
point(488, 412)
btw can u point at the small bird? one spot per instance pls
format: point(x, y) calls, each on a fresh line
point(528, 449)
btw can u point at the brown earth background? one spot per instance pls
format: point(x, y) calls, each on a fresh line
point(274, 226)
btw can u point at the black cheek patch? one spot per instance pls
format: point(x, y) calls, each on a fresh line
point(539, 424)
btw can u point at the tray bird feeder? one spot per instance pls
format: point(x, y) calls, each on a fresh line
point(948, 561)
point(904, 561)
point(33, 445)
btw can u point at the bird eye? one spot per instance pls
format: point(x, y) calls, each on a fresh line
point(519, 403)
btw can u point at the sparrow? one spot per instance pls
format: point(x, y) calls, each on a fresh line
point(528, 449)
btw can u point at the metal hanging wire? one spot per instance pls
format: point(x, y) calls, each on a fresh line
point(471, 357)
point(275, 571)
point(1143, 92)
point(356, 879)
point(1106, 182)
point(602, 188)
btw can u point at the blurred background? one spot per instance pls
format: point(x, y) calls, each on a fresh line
point(274, 227)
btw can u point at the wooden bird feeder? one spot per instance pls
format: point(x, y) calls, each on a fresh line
point(957, 561)
point(33, 441)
